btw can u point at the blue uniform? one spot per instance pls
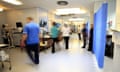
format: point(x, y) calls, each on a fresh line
point(32, 30)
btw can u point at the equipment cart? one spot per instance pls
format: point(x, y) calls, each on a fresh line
point(5, 55)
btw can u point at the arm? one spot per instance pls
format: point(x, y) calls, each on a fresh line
point(40, 34)
point(40, 37)
point(51, 32)
point(24, 36)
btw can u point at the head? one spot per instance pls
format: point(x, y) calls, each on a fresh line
point(65, 25)
point(92, 25)
point(3, 26)
point(29, 19)
point(84, 25)
point(53, 23)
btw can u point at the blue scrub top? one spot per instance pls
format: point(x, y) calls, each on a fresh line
point(32, 30)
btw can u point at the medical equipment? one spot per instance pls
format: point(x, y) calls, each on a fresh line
point(5, 55)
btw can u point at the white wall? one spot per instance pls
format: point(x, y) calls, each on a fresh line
point(112, 12)
point(91, 17)
point(14, 16)
point(20, 15)
point(118, 15)
point(43, 14)
point(117, 39)
point(116, 60)
point(97, 5)
point(2, 21)
point(2, 18)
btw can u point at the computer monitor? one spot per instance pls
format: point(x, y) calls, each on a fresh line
point(19, 24)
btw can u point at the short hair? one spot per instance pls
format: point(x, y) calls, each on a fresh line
point(53, 23)
point(3, 26)
point(65, 25)
point(29, 18)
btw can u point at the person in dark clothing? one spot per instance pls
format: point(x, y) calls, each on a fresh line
point(4, 34)
point(84, 35)
point(109, 49)
point(79, 33)
point(91, 39)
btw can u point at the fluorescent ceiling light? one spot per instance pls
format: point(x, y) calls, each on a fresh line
point(77, 19)
point(1, 9)
point(15, 2)
point(67, 11)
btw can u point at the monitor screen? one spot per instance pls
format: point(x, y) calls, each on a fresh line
point(19, 24)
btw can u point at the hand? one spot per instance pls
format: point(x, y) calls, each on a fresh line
point(22, 44)
point(41, 39)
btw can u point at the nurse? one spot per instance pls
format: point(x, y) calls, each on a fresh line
point(54, 35)
point(31, 35)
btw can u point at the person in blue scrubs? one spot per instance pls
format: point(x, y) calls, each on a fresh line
point(30, 39)
point(54, 35)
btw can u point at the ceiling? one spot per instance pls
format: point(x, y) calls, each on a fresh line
point(51, 4)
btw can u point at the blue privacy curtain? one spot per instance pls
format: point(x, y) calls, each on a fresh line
point(100, 25)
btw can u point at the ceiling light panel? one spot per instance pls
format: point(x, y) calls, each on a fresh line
point(14, 2)
point(66, 11)
point(77, 19)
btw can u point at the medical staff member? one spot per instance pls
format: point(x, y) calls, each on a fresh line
point(66, 35)
point(79, 32)
point(30, 39)
point(54, 35)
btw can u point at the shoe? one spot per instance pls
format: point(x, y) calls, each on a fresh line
point(89, 50)
point(36, 63)
point(67, 48)
point(53, 52)
point(83, 47)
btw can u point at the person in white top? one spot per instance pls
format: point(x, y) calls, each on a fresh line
point(66, 34)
